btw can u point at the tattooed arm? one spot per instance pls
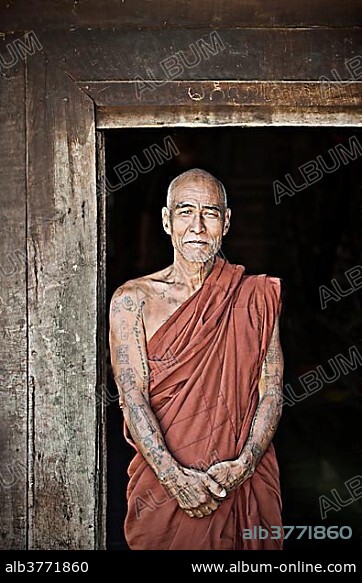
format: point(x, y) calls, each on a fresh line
point(196, 492)
point(231, 474)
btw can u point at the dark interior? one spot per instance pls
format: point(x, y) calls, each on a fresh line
point(307, 239)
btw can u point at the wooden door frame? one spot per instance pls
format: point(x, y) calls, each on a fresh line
point(228, 103)
point(213, 104)
point(59, 501)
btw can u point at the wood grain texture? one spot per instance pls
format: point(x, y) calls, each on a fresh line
point(26, 14)
point(239, 54)
point(13, 345)
point(227, 103)
point(62, 247)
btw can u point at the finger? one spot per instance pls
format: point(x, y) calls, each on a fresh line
point(198, 513)
point(215, 489)
point(206, 510)
point(187, 497)
point(213, 504)
point(213, 472)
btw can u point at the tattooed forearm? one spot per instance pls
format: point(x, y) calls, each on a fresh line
point(149, 423)
point(263, 429)
point(134, 414)
point(168, 474)
point(155, 453)
point(141, 424)
point(256, 450)
point(268, 412)
point(145, 430)
point(130, 368)
point(137, 333)
point(126, 380)
point(122, 354)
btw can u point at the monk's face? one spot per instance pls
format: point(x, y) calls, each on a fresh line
point(197, 219)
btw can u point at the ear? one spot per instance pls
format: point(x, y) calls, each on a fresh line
point(166, 220)
point(226, 221)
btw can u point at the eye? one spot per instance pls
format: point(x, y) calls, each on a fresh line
point(185, 212)
point(212, 214)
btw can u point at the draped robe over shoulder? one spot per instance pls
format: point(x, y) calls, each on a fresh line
point(205, 364)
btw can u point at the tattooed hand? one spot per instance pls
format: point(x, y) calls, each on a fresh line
point(195, 491)
point(231, 474)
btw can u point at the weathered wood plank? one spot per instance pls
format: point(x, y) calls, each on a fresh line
point(26, 14)
point(223, 103)
point(231, 93)
point(62, 247)
point(13, 346)
point(115, 118)
point(233, 54)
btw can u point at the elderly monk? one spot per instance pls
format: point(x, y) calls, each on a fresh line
point(197, 360)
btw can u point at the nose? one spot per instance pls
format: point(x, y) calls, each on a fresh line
point(197, 225)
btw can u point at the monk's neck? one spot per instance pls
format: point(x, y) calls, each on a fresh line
point(191, 274)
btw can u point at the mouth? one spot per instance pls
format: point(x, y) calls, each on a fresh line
point(196, 243)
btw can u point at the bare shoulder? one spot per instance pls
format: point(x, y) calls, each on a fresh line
point(133, 294)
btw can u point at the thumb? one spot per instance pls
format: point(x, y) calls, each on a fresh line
point(215, 489)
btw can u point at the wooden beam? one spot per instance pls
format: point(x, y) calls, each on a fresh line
point(41, 14)
point(13, 348)
point(234, 54)
point(119, 118)
point(230, 93)
point(227, 103)
point(62, 247)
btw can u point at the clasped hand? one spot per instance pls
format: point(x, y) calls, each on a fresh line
point(200, 493)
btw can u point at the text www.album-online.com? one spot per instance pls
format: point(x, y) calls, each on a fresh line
point(293, 567)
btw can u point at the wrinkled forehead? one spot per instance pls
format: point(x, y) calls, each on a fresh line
point(197, 191)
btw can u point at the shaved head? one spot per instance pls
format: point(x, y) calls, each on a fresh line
point(195, 175)
point(196, 216)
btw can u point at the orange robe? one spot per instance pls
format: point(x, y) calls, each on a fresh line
point(205, 363)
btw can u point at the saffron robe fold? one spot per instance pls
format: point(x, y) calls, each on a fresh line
point(205, 363)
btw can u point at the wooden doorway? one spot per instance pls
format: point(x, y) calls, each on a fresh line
point(304, 237)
